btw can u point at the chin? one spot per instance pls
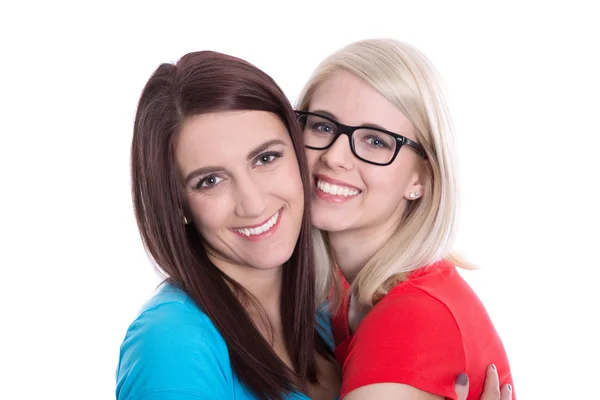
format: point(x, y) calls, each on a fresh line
point(330, 223)
point(272, 259)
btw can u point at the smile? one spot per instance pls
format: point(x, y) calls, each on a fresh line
point(336, 190)
point(260, 229)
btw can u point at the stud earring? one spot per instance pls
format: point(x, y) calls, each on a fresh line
point(413, 195)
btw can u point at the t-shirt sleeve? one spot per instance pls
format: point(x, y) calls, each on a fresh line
point(169, 353)
point(412, 339)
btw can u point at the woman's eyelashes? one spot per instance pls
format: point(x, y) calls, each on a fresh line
point(212, 180)
point(267, 158)
point(208, 182)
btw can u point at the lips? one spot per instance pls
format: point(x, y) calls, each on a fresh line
point(334, 187)
point(260, 230)
point(336, 190)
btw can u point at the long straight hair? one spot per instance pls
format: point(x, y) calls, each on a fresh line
point(199, 83)
point(408, 80)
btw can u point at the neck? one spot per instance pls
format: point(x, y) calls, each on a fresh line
point(352, 249)
point(263, 285)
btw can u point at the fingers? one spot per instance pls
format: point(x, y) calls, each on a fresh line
point(506, 392)
point(491, 387)
point(461, 387)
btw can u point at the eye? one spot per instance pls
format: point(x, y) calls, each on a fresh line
point(208, 182)
point(267, 158)
point(375, 141)
point(323, 127)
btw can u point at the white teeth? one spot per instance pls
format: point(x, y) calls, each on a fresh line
point(335, 189)
point(260, 229)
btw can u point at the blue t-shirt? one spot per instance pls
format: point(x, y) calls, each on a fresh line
point(172, 351)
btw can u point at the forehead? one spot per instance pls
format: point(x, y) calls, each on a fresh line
point(223, 137)
point(355, 102)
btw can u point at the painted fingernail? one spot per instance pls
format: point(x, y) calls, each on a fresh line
point(509, 388)
point(493, 367)
point(462, 379)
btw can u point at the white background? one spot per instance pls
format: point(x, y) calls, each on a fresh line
point(524, 87)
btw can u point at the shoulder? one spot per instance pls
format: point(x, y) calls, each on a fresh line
point(170, 318)
point(434, 294)
point(172, 344)
point(414, 323)
point(409, 304)
point(411, 325)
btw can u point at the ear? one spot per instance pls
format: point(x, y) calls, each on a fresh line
point(416, 187)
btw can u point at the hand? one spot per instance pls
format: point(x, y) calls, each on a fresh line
point(491, 387)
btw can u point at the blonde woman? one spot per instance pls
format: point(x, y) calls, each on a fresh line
point(380, 147)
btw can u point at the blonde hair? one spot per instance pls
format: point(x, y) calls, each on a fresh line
point(406, 78)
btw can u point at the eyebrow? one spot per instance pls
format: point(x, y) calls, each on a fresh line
point(264, 147)
point(199, 172)
point(365, 125)
point(211, 169)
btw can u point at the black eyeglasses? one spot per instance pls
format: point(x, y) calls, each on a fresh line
point(372, 145)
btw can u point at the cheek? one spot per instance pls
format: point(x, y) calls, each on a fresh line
point(287, 181)
point(210, 213)
point(312, 158)
point(390, 182)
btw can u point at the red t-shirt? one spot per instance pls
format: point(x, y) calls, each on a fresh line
point(423, 333)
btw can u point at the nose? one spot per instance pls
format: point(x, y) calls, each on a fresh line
point(251, 200)
point(339, 155)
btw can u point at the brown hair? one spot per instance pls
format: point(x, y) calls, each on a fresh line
point(199, 83)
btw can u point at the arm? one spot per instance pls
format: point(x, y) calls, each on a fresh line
point(390, 391)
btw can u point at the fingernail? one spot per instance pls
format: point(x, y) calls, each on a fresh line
point(462, 379)
point(509, 388)
point(493, 367)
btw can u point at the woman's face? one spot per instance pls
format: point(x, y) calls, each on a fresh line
point(242, 184)
point(350, 194)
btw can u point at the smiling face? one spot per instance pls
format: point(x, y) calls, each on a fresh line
point(350, 194)
point(242, 184)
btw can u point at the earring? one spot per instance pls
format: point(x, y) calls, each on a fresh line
point(185, 221)
point(413, 195)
